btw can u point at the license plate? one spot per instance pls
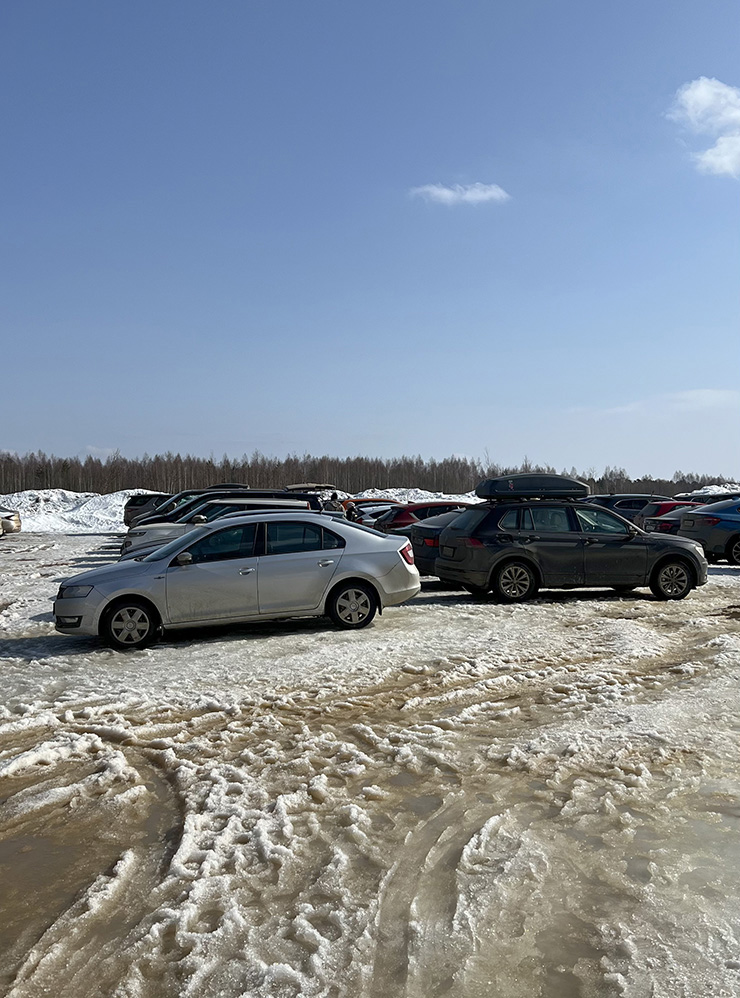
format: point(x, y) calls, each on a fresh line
point(649, 527)
point(448, 552)
point(687, 523)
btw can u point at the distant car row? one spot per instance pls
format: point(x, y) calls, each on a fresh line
point(237, 555)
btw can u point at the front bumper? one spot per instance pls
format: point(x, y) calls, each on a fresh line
point(77, 616)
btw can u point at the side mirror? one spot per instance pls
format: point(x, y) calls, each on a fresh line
point(199, 518)
point(632, 531)
point(184, 558)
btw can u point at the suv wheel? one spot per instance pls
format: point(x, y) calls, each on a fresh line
point(672, 580)
point(733, 551)
point(352, 605)
point(514, 582)
point(128, 624)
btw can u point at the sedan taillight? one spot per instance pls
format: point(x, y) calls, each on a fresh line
point(710, 521)
point(407, 553)
point(431, 542)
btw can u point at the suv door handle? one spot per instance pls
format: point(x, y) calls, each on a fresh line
point(532, 537)
point(328, 561)
point(246, 571)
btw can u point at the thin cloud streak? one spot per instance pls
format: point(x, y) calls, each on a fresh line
point(458, 194)
point(693, 400)
point(708, 106)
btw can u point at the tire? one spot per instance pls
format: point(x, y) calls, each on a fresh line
point(673, 579)
point(514, 582)
point(352, 605)
point(733, 551)
point(130, 624)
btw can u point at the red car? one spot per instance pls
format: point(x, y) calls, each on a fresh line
point(401, 520)
point(658, 508)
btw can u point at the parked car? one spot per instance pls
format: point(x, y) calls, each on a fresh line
point(189, 506)
point(153, 535)
point(524, 541)
point(716, 527)
point(402, 519)
point(425, 536)
point(667, 523)
point(249, 568)
point(658, 508)
point(627, 504)
point(10, 520)
point(143, 504)
point(180, 498)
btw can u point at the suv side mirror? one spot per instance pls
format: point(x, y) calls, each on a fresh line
point(633, 531)
point(184, 558)
point(199, 519)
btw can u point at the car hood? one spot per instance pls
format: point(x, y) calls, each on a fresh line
point(120, 570)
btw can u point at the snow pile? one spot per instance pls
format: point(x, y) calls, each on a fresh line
point(57, 511)
point(54, 511)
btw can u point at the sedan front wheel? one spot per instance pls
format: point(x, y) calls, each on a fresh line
point(129, 624)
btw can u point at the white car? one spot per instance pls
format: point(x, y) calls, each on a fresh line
point(147, 537)
point(242, 569)
point(10, 521)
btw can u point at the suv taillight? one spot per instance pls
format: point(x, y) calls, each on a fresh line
point(407, 553)
point(473, 542)
point(431, 542)
point(710, 521)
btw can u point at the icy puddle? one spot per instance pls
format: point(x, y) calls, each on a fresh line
point(464, 800)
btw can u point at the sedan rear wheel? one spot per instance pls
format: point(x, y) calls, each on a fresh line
point(352, 605)
point(672, 580)
point(514, 582)
point(733, 551)
point(129, 624)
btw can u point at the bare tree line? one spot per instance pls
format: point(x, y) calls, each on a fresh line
point(172, 473)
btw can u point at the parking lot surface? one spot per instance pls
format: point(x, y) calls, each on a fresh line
point(465, 799)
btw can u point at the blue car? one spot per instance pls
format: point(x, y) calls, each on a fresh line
point(717, 528)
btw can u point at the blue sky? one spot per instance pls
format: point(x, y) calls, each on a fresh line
point(391, 228)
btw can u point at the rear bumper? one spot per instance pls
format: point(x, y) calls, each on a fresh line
point(448, 571)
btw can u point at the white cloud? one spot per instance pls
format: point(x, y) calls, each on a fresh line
point(101, 452)
point(691, 400)
point(698, 399)
point(711, 107)
point(459, 194)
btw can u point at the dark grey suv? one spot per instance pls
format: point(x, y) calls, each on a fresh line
point(514, 545)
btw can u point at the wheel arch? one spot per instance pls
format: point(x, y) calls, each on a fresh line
point(510, 557)
point(673, 556)
point(121, 599)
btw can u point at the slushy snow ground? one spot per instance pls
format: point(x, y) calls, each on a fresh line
point(464, 799)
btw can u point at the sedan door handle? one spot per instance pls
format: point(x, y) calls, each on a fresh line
point(246, 571)
point(328, 561)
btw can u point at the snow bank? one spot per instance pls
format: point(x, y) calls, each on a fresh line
point(57, 511)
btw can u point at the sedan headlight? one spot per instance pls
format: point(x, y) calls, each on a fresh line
point(74, 592)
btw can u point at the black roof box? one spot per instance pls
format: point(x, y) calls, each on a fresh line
point(532, 487)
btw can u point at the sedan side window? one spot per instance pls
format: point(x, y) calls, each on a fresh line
point(599, 521)
point(332, 541)
point(236, 542)
point(290, 538)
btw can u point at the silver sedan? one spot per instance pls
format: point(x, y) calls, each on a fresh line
point(244, 569)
